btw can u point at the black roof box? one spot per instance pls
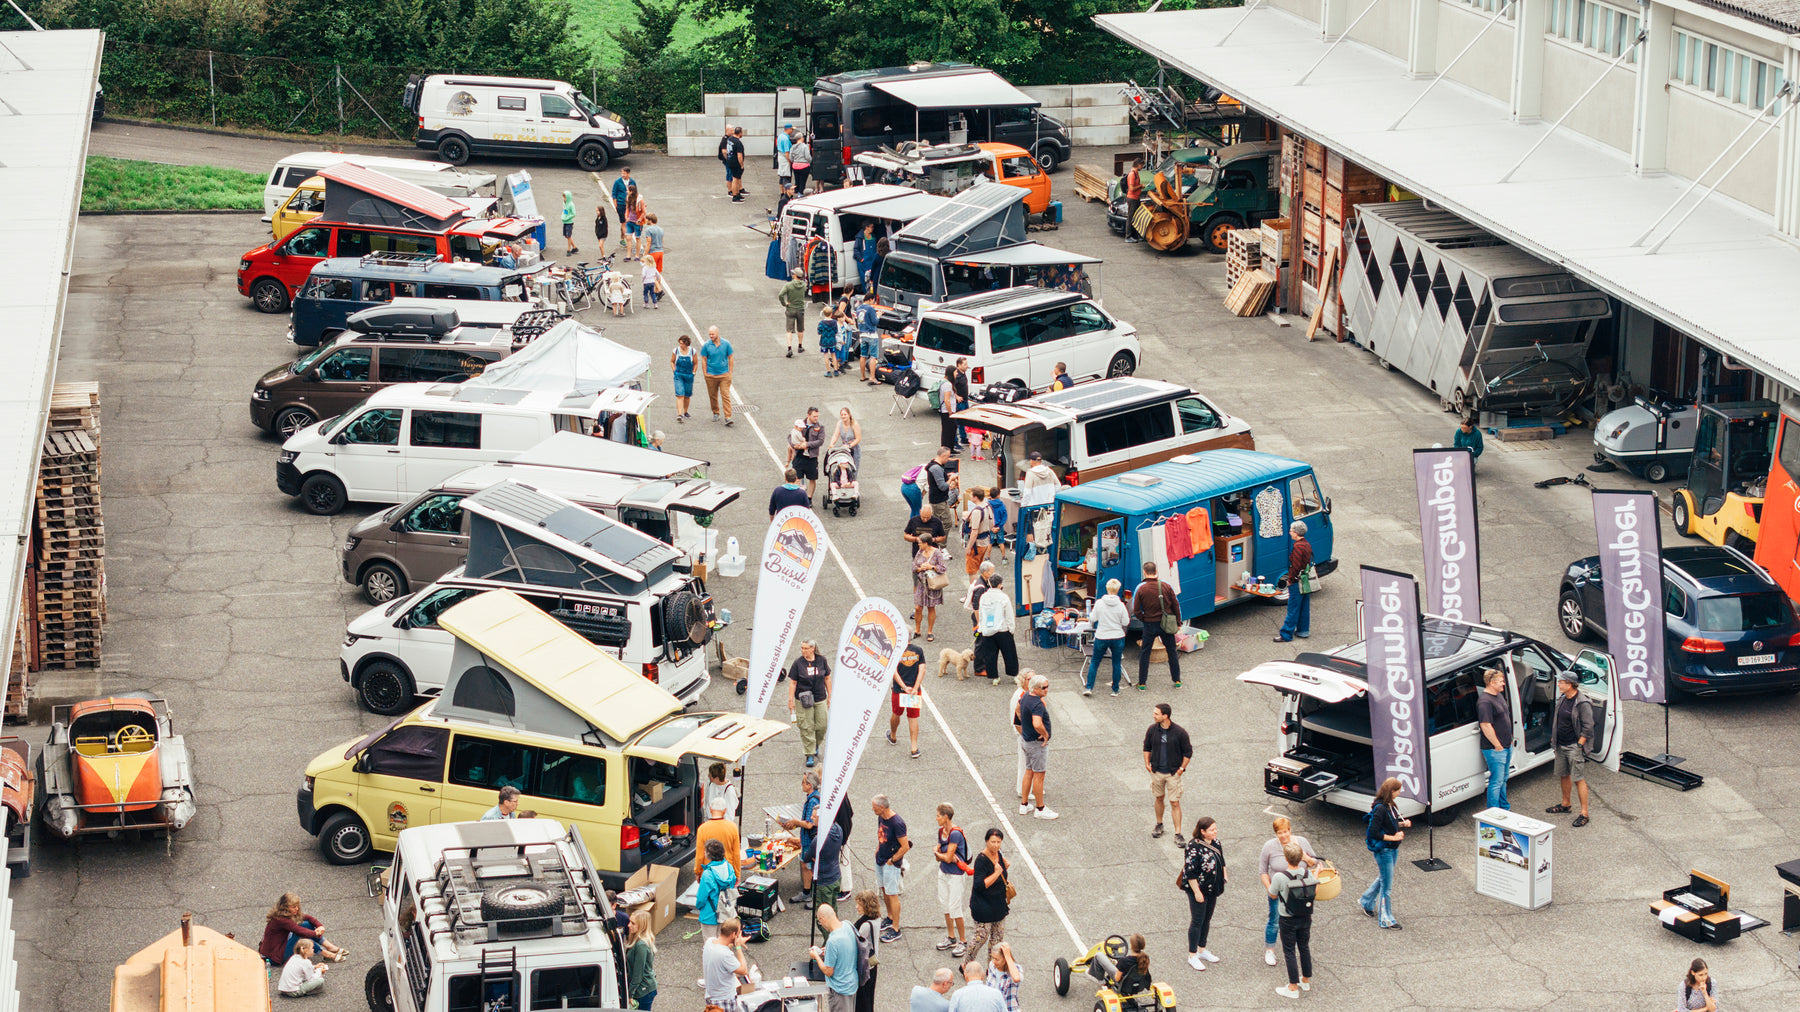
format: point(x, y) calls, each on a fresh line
point(404, 321)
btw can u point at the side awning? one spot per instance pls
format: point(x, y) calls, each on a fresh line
point(958, 91)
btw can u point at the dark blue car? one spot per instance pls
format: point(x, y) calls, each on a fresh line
point(1729, 627)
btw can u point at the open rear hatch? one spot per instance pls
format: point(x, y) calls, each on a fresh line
point(1330, 720)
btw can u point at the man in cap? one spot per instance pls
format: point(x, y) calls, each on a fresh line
point(1571, 729)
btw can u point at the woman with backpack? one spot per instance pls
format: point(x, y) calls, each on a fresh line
point(1294, 888)
point(1386, 830)
point(1699, 990)
point(1203, 879)
point(868, 937)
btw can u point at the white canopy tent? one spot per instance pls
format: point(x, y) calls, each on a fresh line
point(569, 358)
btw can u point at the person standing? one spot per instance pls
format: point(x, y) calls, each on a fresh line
point(1699, 990)
point(1063, 380)
point(809, 698)
point(1293, 890)
point(976, 994)
point(953, 881)
point(828, 343)
point(716, 889)
point(869, 937)
point(988, 903)
point(904, 698)
point(634, 222)
point(723, 962)
point(864, 253)
point(507, 803)
point(808, 825)
point(568, 222)
point(868, 338)
point(1571, 728)
point(1386, 830)
point(978, 530)
point(1494, 711)
point(681, 365)
point(717, 353)
point(653, 240)
point(784, 165)
point(940, 480)
point(800, 156)
point(1110, 619)
point(1468, 437)
point(935, 998)
point(848, 434)
point(1037, 474)
point(959, 377)
point(1299, 583)
point(793, 306)
point(806, 461)
point(718, 826)
point(728, 159)
point(1203, 878)
point(600, 227)
point(947, 406)
point(621, 188)
point(891, 845)
point(640, 961)
point(1134, 195)
point(837, 958)
point(652, 281)
point(1167, 752)
point(1268, 863)
point(1155, 605)
point(828, 880)
point(789, 493)
point(923, 522)
point(931, 561)
point(995, 620)
point(1034, 731)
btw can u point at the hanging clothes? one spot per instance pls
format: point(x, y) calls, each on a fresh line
point(1180, 544)
point(1200, 530)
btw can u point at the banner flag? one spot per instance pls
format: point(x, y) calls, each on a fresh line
point(1394, 653)
point(793, 555)
point(1448, 528)
point(1631, 568)
point(869, 649)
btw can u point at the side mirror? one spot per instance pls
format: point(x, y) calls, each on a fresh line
point(1327, 505)
point(361, 764)
point(310, 375)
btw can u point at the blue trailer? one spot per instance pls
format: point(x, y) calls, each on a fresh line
point(1226, 513)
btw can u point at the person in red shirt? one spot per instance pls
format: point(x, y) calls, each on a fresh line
point(1134, 195)
point(1299, 610)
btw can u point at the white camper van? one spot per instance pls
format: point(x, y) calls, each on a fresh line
point(459, 116)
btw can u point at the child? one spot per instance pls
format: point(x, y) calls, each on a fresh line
point(828, 329)
point(617, 292)
point(652, 276)
point(796, 440)
point(300, 976)
point(846, 338)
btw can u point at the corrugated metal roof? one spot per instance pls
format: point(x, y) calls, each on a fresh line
point(407, 195)
point(1781, 14)
point(1183, 482)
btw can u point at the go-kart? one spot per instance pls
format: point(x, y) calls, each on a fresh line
point(1117, 993)
point(112, 765)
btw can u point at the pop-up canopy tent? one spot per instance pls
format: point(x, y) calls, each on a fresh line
point(569, 358)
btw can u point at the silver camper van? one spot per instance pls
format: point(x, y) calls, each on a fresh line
point(1483, 325)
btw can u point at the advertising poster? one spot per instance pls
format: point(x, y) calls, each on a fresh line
point(1396, 675)
point(1446, 486)
point(1504, 870)
point(793, 555)
point(1631, 568)
point(868, 651)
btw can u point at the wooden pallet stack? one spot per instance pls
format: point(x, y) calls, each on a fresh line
point(1330, 189)
point(1243, 253)
point(1251, 293)
point(71, 575)
point(1089, 184)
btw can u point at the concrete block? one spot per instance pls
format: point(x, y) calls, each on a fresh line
point(750, 105)
point(689, 147)
point(1098, 115)
point(1057, 112)
point(1051, 94)
point(713, 105)
point(1100, 135)
point(1095, 94)
point(758, 147)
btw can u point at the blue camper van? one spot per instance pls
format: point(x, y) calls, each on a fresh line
point(1232, 507)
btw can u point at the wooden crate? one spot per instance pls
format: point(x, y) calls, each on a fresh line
point(1243, 253)
point(1089, 184)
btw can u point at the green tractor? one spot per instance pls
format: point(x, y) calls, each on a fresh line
point(1201, 192)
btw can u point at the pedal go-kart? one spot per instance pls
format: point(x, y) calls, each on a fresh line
point(1102, 963)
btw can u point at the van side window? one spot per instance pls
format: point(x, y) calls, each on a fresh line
point(296, 176)
point(561, 987)
point(1450, 704)
point(348, 366)
point(555, 106)
point(479, 762)
point(510, 103)
point(380, 427)
point(411, 751)
point(473, 992)
point(869, 121)
point(427, 365)
point(454, 429)
point(565, 777)
point(1195, 415)
point(451, 291)
point(1084, 318)
point(327, 288)
point(1128, 429)
point(1046, 326)
point(1008, 335)
point(424, 615)
point(368, 241)
point(1020, 168)
point(440, 514)
point(1303, 493)
point(309, 242)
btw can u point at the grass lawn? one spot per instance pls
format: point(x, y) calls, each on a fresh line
point(118, 184)
point(595, 20)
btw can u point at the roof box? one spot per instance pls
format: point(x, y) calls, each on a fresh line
point(403, 321)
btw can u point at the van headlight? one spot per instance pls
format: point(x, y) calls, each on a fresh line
point(260, 394)
point(287, 457)
point(350, 638)
point(350, 544)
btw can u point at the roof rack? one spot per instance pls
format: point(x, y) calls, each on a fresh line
point(390, 259)
point(533, 323)
point(468, 899)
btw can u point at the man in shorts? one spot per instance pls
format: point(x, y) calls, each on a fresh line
point(891, 845)
point(953, 882)
point(793, 305)
point(806, 458)
point(731, 152)
point(1571, 730)
point(1034, 733)
point(869, 338)
point(1167, 752)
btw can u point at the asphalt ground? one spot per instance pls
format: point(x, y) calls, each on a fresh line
point(225, 598)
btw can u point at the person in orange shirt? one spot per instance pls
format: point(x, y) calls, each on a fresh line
point(719, 828)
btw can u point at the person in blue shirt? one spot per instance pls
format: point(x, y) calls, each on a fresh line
point(828, 335)
point(864, 252)
point(788, 493)
point(808, 825)
point(838, 959)
point(716, 879)
point(1469, 437)
point(830, 873)
point(620, 188)
point(717, 354)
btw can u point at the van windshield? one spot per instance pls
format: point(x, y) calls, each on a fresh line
point(949, 338)
point(311, 358)
point(587, 105)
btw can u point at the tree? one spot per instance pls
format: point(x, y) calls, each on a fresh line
point(653, 78)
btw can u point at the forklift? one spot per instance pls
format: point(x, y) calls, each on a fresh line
point(1723, 498)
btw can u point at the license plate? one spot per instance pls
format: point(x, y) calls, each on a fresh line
point(1751, 660)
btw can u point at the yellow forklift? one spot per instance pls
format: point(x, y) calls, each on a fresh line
point(1723, 498)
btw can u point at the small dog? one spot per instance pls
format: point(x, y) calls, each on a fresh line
point(958, 659)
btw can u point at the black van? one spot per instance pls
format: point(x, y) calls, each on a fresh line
point(865, 109)
point(338, 287)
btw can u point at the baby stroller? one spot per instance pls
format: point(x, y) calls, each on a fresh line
point(840, 473)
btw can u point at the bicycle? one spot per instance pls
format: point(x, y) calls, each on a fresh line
point(581, 282)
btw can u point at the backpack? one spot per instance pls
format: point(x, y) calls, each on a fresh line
point(962, 850)
point(994, 620)
point(1300, 898)
point(866, 949)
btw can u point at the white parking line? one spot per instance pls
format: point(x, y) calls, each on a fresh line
point(937, 716)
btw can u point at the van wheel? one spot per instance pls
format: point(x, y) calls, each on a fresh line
point(269, 296)
point(454, 150)
point(291, 420)
point(344, 840)
point(377, 990)
point(385, 688)
point(1122, 364)
point(322, 495)
point(592, 157)
point(382, 583)
point(1049, 157)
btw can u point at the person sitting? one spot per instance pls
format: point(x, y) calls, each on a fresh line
point(300, 976)
point(1133, 975)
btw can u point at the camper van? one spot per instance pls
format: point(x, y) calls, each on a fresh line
point(819, 232)
point(344, 287)
point(462, 115)
point(1016, 337)
point(529, 704)
point(617, 587)
point(1326, 742)
point(916, 282)
point(438, 177)
point(1232, 507)
point(935, 103)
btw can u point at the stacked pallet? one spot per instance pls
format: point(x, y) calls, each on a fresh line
point(1243, 253)
point(1251, 293)
point(1330, 189)
point(71, 575)
point(1089, 183)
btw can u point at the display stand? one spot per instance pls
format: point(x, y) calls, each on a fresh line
point(1512, 858)
point(1661, 769)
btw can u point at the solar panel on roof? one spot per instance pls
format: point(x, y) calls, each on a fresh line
point(966, 210)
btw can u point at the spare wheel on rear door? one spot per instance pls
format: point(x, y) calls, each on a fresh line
point(684, 619)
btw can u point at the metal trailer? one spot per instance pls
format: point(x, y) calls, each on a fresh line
point(1482, 324)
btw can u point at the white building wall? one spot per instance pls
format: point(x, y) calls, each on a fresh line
point(1488, 67)
point(1385, 27)
point(1606, 114)
point(1307, 9)
point(1700, 126)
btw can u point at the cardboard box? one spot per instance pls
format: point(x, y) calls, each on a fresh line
point(664, 879)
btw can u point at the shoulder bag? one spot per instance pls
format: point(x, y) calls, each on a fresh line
point(1012, 893)
point(1171, 617)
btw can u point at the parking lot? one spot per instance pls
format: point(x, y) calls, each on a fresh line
point(225, 598)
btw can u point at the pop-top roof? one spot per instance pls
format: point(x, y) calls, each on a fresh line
point(985, 204)
point(366, 197)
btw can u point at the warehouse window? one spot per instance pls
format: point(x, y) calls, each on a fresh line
point(1603, 28)
point(1734, 76)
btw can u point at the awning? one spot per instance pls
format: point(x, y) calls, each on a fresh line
point(1025, 254)
point(957, 91)
point(1725, 278)
point(902, 208)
